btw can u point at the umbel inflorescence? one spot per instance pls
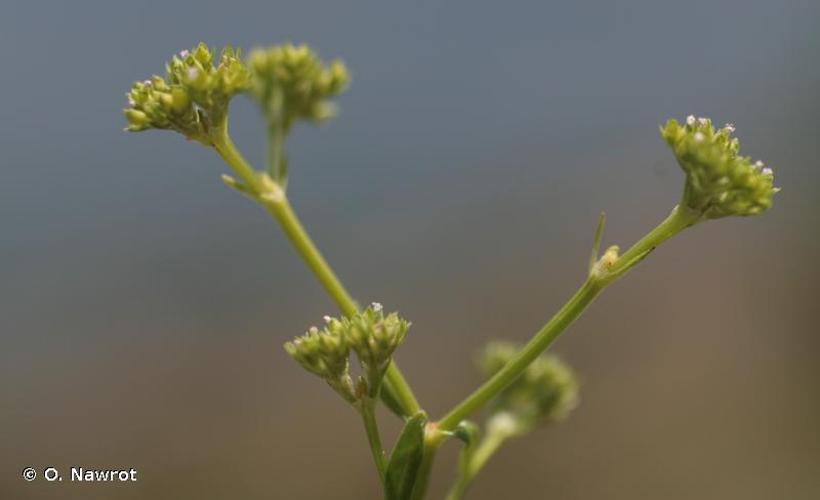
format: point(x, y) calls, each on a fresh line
point(193, 96)
point(371, 335)
point(719, 182)
point(524, 389)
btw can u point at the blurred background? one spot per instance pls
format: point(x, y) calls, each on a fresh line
point(143, 305)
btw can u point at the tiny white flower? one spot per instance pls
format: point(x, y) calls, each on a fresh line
point(703, 121)
point(767, 171)
point(132, 102)
point(184, 53)
point(377, 307)
point(690, 120)
point(192, 73)
point(146, 82)
point(326, 318)
point(699, 137)
point(730, 127)
point(759, 164)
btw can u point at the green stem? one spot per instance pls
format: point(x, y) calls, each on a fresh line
point(276, 154)
point(368, 411)
point(678, 220)
point(223, 145)
point(281, 210)
point(278, 127)
point(276, 203)
point(459, 488)
point(395, 383)
point(477, 460)
point(566, 315)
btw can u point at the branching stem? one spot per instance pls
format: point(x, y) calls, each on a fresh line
point(599, 277)
point(601, 274)
point(273, 198)
point(566, 315)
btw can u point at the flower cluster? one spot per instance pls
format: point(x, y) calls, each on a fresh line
point(370, 334)
point(325, 353)
point(193, 96)
point(291, 83)
point(719, 182)
point(375, 337)
point(547, 391)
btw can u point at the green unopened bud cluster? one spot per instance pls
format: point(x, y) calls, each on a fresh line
point(325, 353)
point(546, 392)
point(370, 334)
point(193, 96)
point(719, 182)
point(292, 83)
point(375, 337)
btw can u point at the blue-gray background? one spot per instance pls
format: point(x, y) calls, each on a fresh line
point(143, 305)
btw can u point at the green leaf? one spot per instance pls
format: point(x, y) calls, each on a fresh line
point(405, 459)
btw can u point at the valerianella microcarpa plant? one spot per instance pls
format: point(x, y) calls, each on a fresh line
point(524, 389)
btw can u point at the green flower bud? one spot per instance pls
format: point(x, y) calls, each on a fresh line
point(547, 391)
point(291, 83)
point(719, 182)
point(136, 119)
point(325, 353)
point(192, 98)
